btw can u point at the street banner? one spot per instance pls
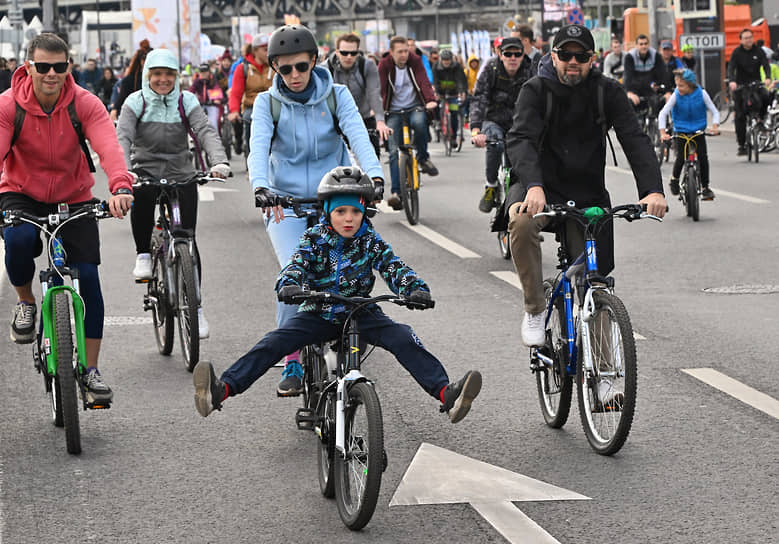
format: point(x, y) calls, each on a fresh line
point(161, 23)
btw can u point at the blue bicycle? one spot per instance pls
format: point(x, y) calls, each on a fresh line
point(592, 341)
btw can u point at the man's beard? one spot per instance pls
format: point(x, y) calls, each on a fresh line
point(571, 79)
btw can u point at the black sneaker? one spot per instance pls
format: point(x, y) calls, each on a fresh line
point(428, 168)
point(459, 395)
point(674, 186)
point(394, 202)
point(487, 201)
point(95, 389)
point(23, 322)
point(209, 390)
point(741, 151)
point(707, 194)
point(291, 384)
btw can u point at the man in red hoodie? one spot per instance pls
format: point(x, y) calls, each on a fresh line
point(46, 166)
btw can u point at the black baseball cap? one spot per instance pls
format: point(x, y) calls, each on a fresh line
point(574, 33)
point(511, 43)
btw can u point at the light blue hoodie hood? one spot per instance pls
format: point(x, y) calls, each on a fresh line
point(161, 58)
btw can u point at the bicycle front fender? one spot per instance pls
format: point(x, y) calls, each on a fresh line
point(49, 347)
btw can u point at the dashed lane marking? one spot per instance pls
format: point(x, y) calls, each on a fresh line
point(736, 389)
point(745, 198)
point(442, 241)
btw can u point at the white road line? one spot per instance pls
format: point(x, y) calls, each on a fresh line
point(443, 241)
point(736, 389)
point(745, 198)
point(512, 279)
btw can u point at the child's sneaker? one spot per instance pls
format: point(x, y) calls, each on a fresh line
point(291, 384)
point(459, 395)
point(210, 391)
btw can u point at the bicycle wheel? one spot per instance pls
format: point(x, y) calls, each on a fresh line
point(755, 140)
point(408, 196)
point(65, 378)
point(158, 296)
point(446, 133)
point(226, 133)
point(613, 353)
point(657, 143)
point(722, 102)
point(693, 194)
point(325, 431)
point(750, 147)
point(554, 384)
point(187, 305)
point(358, 472)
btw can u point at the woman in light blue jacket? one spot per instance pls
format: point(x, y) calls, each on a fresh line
point(290, 155)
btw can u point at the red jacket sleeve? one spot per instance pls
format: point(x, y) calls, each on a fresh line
point(236, 91)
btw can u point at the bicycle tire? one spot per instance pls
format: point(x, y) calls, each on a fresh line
point(409, 197)
point(555, 396)
point(749, 140)
point(157, 290)
point(722, 102)
point(54, 393)
point(754, 137)
point(187, 305)
point(446, 129)
point(693, 195)
point(356, 500)
point(325, 450)
point(605, 432)
point(65, 376)
point(226, 134)
point(654, 136)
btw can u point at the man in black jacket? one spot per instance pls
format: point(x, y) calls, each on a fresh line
point(566, 160)
point(492, 108)
point(744, 68)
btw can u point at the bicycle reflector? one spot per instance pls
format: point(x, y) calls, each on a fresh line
point(593, 214)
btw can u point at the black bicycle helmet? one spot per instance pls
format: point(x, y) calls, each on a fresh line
point(291, 39)
point(345, 180)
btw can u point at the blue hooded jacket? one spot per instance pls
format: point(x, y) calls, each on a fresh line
point(306, 146)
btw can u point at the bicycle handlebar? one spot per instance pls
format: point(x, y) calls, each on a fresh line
point(201, 178)
point(317, 296)
point(629, 212)
point(98, 210)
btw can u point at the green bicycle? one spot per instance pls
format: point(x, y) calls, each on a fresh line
point(56, 356)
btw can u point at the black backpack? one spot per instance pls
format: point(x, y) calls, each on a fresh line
point(21, 113)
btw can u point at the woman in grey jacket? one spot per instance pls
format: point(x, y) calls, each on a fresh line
point(153, 135)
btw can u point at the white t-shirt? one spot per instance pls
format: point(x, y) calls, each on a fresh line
point(405, 95)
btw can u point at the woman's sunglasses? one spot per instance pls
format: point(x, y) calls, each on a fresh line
point(349, 53)
point(44, 67)
point(301, 67)
point(565, 56)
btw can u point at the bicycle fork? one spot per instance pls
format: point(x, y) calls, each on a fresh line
point(352, 376)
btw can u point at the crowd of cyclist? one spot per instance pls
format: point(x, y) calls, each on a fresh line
point(298, 116)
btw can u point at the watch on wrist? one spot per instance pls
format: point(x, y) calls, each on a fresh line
point(123, 191)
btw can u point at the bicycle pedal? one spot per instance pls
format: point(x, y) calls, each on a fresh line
point(98, 405)
point(142, 280)
point(305, 419)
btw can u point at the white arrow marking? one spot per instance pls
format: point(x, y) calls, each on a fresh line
point(206, 194)
point(736, 389)
point(440, 476)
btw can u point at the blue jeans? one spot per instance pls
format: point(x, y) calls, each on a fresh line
point(494, 152)
point(418, 123)
point(307, 328)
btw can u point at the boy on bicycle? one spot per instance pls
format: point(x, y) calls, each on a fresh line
point(688, 106)
point(345, 235)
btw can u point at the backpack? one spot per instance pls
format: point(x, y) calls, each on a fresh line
point(601, 119)
point(185, 121)
point(275, 112)
point(21, 113)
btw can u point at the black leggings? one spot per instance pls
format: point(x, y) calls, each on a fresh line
point(703, 157)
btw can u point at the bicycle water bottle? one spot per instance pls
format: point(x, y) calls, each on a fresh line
point(58, 253)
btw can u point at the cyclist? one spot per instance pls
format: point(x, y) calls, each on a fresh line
point(672, 64)
point(153, 129)
point(688, 106)
point(222, 73)
point(209, 94)
point(743, 69)
point(450, 84)
point(291, 153)
point(688, 56)
point(493, 107)
point(339, 255)
point(643, 70)
point(471, 75)
point(251, 77)
point(612, 64)
point(564, 158)
point(525, 33)
point(45, 166)
point(349, 67)
point(404, 85)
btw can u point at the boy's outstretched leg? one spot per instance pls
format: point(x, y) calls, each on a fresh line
point(457, 397)
point(210, 391)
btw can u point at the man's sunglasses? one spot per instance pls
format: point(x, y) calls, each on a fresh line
point(44, 67)
point(301, 67)
point(565, 56)
point(515, 54)
point(349, 53)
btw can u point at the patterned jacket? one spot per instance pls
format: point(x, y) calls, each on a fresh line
point(326, 261)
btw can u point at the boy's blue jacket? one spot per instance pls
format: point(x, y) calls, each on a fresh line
point(306, 145)
point(326, 261)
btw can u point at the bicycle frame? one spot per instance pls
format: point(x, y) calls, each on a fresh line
point(407, 146)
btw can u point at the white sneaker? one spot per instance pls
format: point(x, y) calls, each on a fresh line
point(610, 395)
point(142, 270)
point(202, 324)
point(533, 333)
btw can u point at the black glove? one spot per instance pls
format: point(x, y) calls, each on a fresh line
point(378, 189)
point(264, 198)
point(289, 292)
point(420, 300)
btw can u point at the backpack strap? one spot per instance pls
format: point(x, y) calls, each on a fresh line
point(549, 105)
point(361, 67)
point(76, 122)
point(275, 114)
point(188, 127)
point(601, 120)
point(245, 72)
point(18, 122)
